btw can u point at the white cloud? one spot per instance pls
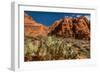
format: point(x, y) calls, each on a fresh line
point(25, 14)
point(78, 15)
point(66, 16)
point(88, 17)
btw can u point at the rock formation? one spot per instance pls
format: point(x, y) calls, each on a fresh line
point(32, 28)
point(62, 28)
point(81, 28)
point(78, 28)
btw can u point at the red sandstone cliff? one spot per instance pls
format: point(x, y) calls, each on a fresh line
point(66, 27)
point(71, 27)
point(32, 28)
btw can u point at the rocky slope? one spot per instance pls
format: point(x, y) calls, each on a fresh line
point(32, 28)
point(78, 28)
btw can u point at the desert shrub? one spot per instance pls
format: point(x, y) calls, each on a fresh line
point(54, 48)
point(30, 49)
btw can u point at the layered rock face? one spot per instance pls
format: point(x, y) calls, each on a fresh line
point(81, 28)
point(32, 28)
point(62, 28)
point(78, 28)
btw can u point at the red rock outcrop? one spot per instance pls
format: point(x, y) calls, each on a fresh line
point(32, 28)
point(63, 27)
point(71, 27)
point(81, 28)
point(66, 27)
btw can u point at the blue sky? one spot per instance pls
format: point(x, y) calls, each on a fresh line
point(48, 18)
